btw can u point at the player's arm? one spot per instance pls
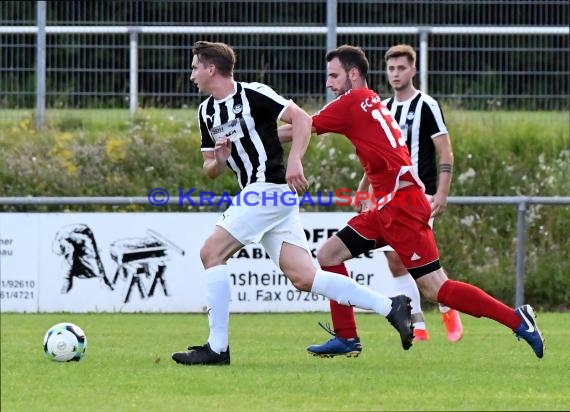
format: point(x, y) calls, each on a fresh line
point(444, 152)
point(215, 154)
point(285, 133)
point(361, 201)
point(215, 160)
point(300, 123)
point(325, 120)
point(364, 184)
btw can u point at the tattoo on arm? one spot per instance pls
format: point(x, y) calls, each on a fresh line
point(445, 168)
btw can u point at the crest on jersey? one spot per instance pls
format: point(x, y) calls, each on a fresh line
point(237, 109)
point(410, 116)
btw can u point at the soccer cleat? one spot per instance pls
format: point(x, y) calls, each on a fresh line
point(400, 317)
point(336, 346)
point(420, 334)
point(453, 325)
point(202, 355)
point(528, 330)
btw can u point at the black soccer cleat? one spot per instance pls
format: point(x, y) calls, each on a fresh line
point(202, 355)
point(400, 317)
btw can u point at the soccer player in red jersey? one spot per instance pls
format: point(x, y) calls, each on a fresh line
point(422, 123)
point(400, 217)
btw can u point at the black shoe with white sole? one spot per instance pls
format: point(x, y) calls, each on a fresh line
point(202, 355)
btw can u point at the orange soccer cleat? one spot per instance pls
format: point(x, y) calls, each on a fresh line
point(420, 334)
point(453, 325)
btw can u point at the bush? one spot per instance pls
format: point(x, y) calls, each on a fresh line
point(496, 154)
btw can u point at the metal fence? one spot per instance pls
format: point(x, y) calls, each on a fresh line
point(481, 54)
point(521, 202)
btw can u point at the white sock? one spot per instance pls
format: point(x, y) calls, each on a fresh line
point(347, 292)
point(443, 308)
point(406, 285)
point(419, 325)
point(218, 300)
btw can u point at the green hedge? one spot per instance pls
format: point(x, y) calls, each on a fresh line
point(496, 153)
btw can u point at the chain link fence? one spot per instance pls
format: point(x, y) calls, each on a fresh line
point(485, 54)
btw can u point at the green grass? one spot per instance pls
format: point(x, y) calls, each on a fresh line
point(127, 366)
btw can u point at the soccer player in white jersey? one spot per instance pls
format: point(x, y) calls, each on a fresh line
point(238, 128)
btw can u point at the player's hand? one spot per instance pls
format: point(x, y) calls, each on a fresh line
point(361, 206)
point(438, 204)
point(223, 150)
point(295, 176)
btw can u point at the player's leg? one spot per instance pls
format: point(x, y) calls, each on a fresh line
point(297, 265)
point(472, 300)
point(434, 284)
point(345, 340)
point(406, 285)
point(238, 226)
point(289, 246)
point(450, 317)
point(216, 250)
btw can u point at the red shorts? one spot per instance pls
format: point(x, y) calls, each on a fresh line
point(402, 223)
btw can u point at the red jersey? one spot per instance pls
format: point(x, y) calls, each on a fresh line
point(360, 115)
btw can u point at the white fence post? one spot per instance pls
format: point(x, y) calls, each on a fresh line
point(41, 65)
point(331, 35)
point(423, 61)
point(521, 244)
point(133, 72)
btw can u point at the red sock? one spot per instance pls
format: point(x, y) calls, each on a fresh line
point(344, 323)
point(470, 299)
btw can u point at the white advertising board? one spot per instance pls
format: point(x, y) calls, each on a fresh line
point(149, 262)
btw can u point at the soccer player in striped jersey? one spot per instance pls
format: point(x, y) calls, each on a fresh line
point(238, 128)
point(427, 138)
point(401, 213)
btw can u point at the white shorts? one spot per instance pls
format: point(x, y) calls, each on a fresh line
point(268, 214)
point(389, 248)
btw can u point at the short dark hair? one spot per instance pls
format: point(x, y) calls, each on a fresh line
point(219, 54)
point(401, 50)
point(350, 57)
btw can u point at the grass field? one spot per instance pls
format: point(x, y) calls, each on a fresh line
point(127, 366)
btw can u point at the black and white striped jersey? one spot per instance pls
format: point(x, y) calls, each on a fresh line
point(420, 119)
point(249, 118)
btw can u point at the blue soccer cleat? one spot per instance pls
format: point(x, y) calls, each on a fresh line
point(336, 346)
point(528, 330)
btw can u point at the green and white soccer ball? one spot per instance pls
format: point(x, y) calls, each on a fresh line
point(65, 342)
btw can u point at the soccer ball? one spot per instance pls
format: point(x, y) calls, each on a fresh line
point(65, 342)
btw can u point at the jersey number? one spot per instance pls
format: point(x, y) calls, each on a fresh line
point(379, 116)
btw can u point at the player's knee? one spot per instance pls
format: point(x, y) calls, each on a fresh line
point(301, 276)
point(300, 281)
point(303, 284)
point(395, 264)
point(325, 257)
point(429, 292)
point(208, 256)
point(430, 284)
